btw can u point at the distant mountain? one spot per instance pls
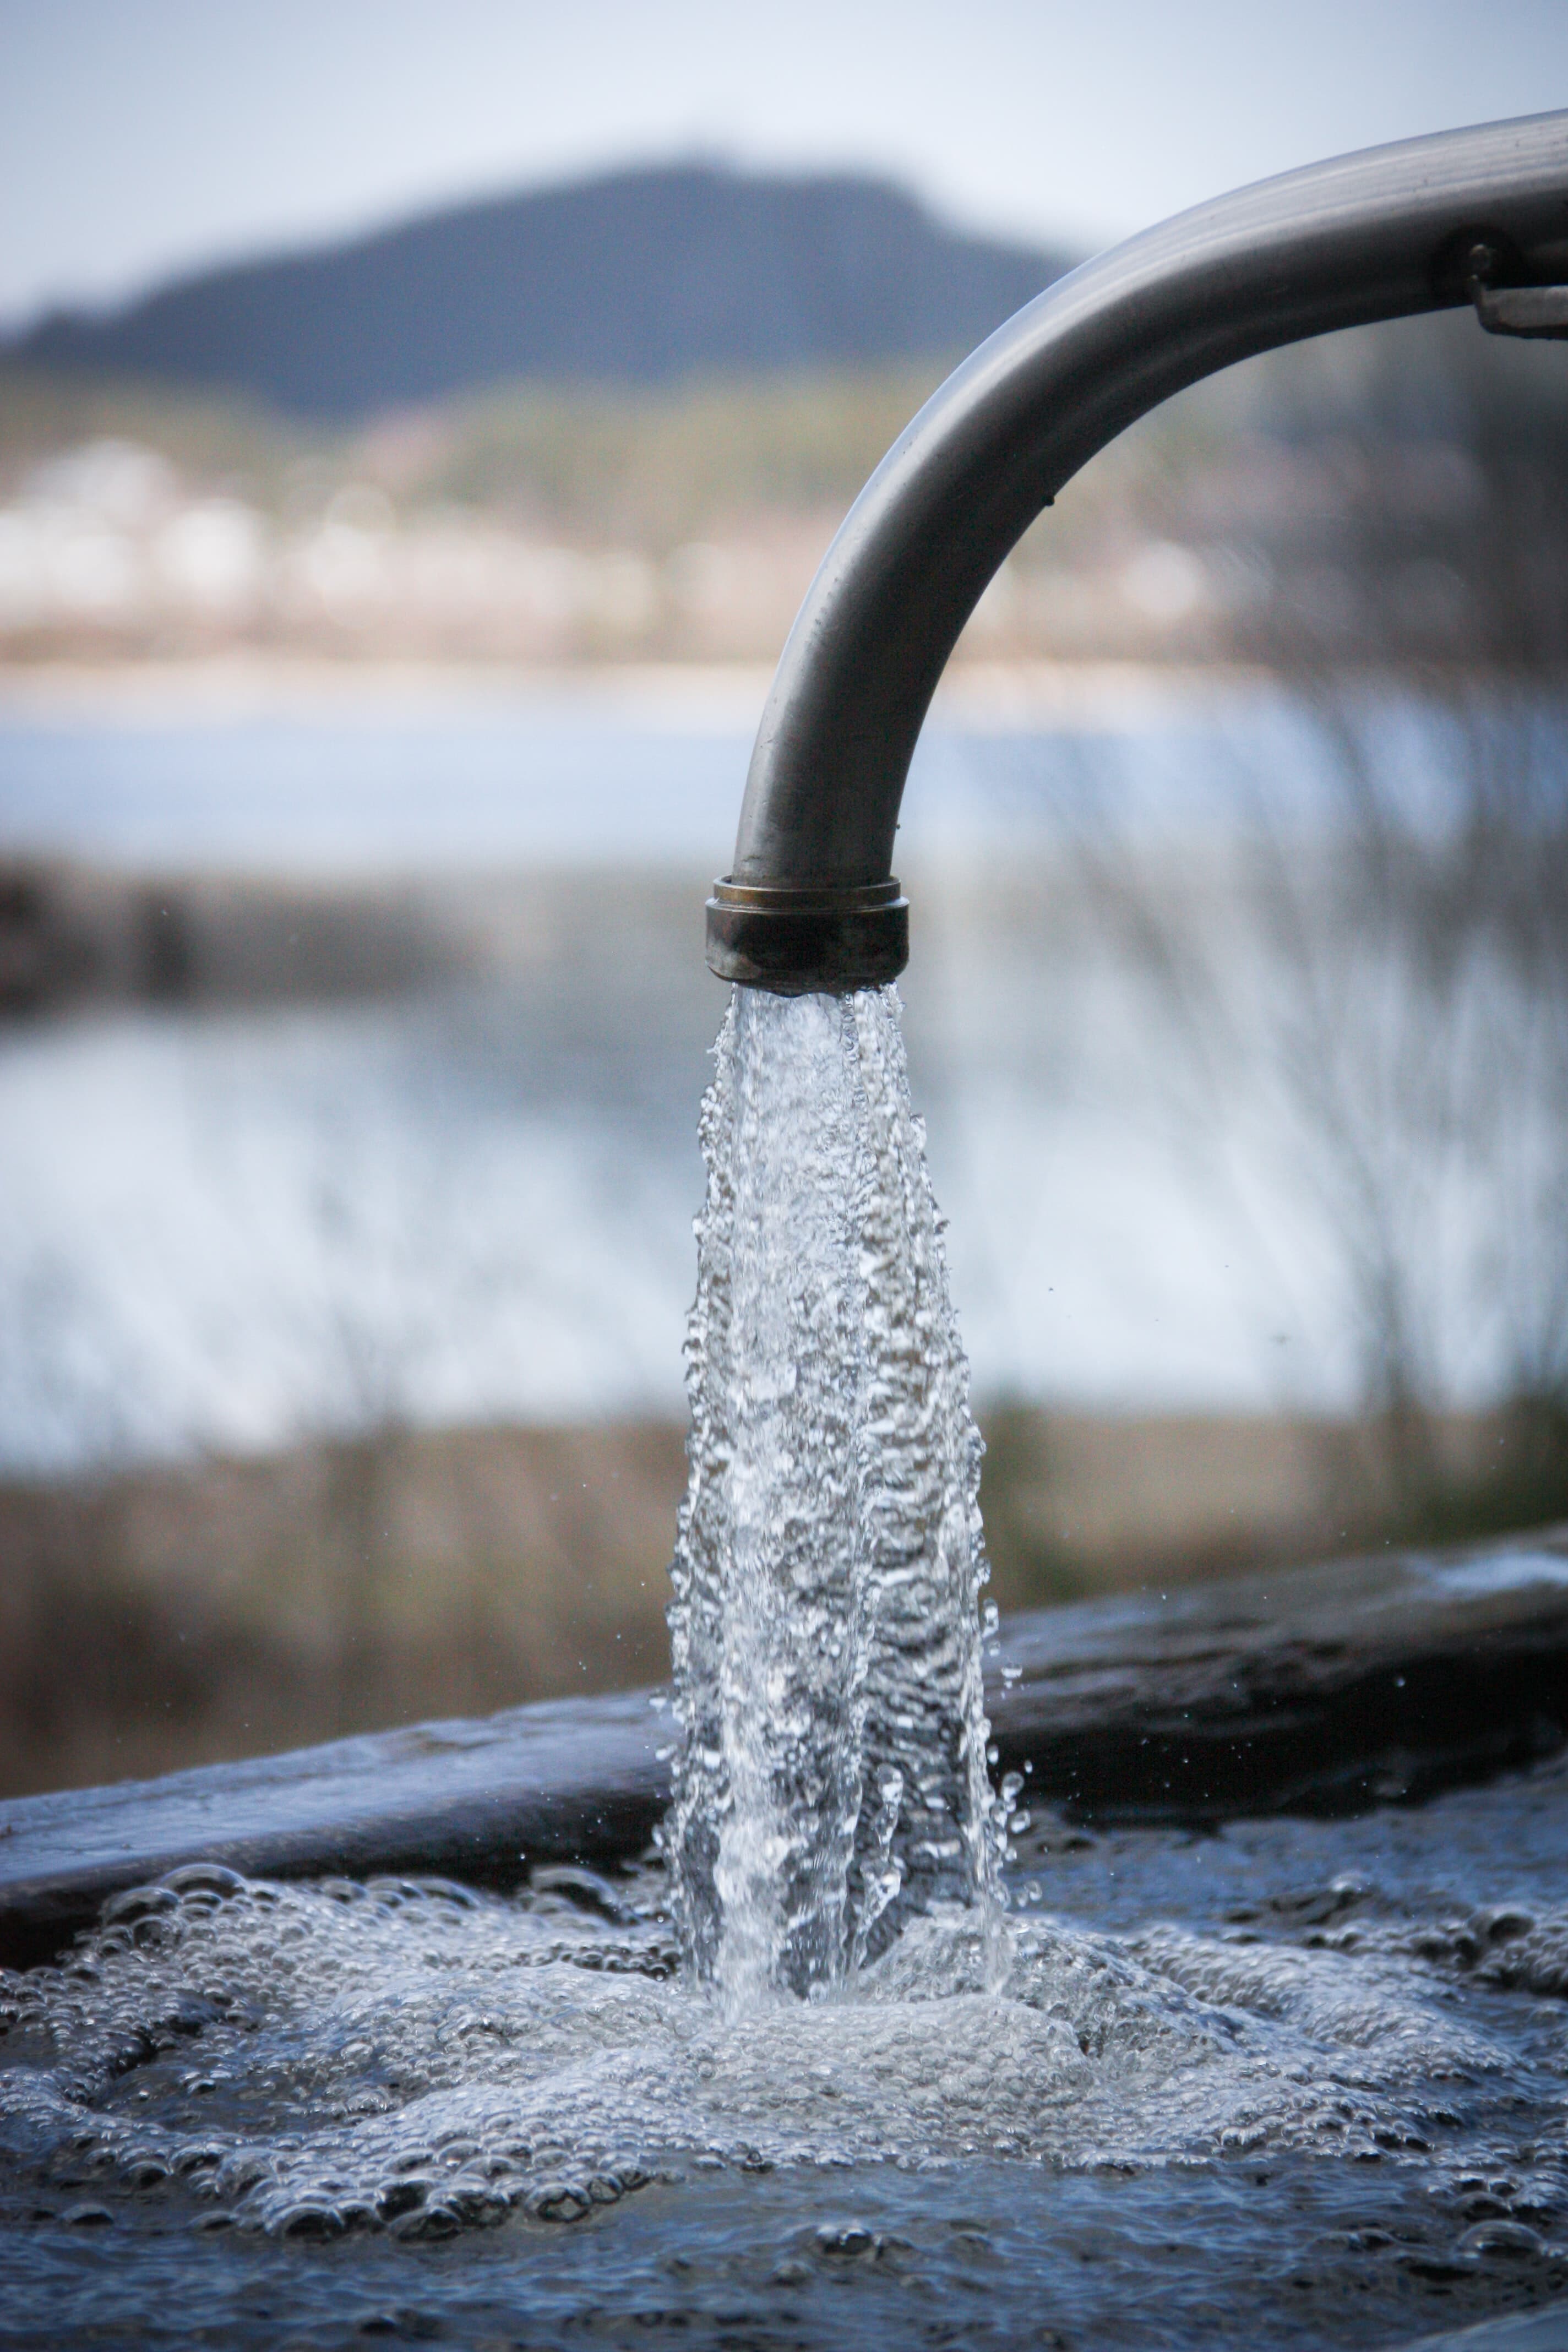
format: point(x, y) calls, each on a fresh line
point(637, 277)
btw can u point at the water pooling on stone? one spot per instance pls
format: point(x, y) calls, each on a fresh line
point(1292, 2083)
point(831, 1779)
point(1295, 2083)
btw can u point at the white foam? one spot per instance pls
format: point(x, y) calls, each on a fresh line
point(307, 2058)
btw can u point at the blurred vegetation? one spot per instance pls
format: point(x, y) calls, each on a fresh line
point(214, 443)
point(1396, 498)
point(651, 468)
point(1524, 1484)
point(169, 1616)
point(658, 469)
point(1393, 507)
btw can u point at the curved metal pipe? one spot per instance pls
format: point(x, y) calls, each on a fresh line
point(811, 902)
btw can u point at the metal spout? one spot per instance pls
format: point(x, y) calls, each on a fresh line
point(796, 941)
point(811, 902)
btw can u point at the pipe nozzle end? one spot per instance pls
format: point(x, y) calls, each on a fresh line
point(808, 940)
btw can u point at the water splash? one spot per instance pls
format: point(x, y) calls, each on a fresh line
point(413, 2058)
point(831, 1779)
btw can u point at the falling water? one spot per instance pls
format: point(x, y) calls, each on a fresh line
point(831, 1776)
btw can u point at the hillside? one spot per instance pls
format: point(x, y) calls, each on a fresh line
point(638, 278)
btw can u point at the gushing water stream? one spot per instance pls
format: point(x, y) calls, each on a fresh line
point(831, 1781)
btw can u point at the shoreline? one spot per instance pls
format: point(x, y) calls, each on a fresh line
point(682, 696)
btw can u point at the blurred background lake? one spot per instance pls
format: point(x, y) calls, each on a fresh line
point(368, 737)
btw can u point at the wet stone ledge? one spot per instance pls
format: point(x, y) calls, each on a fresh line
point(1325, 1690)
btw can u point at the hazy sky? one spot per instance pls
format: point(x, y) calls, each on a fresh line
point(138, 136)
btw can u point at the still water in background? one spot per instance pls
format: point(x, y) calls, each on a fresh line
point(229, 1228)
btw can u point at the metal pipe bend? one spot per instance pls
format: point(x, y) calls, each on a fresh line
point(810, 903)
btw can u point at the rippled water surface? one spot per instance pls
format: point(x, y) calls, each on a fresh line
point(1292, 2083)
